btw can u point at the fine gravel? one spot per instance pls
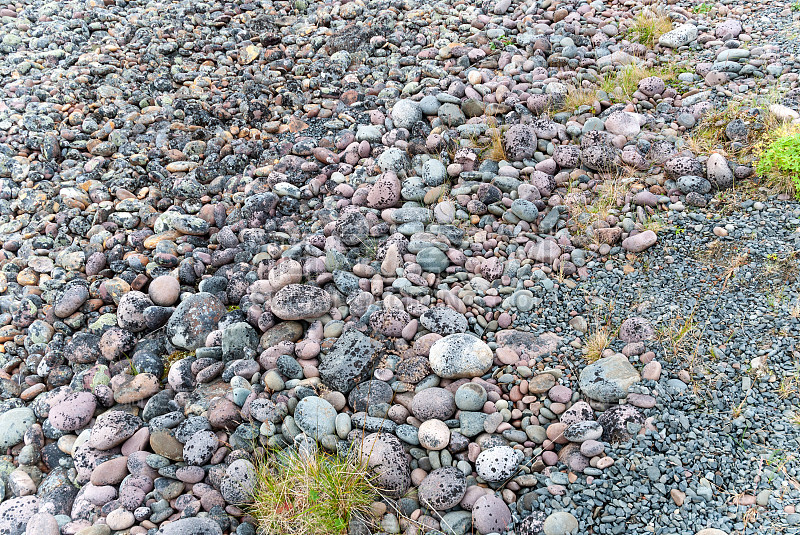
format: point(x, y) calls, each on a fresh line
point(513, 249)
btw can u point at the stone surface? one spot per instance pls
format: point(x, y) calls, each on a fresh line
point(460, 355)
point(608, 379)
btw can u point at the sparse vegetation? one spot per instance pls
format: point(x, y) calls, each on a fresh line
point(577, 97)
point(779, 160)
point(623, 83)
point(597, 342)
point(705, 7)
point(300, 493)
point(648, 26)
point(710, 132)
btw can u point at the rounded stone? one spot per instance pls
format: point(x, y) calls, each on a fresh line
point(498, 463)
point(560, 523)
point(194, 319)
point(406, 113)
point(460, 355)
point(13, 424)
point(200, 447)
point(164, 290)
point(300, 301)
point(434, 435)
point(73, 412)
point(384, 455)
point(433, 404)
point(130, 312)
point(193, 526)
point(443, 488)
point(369, 393)
point(443, 320)
point(120, 519)
point(315, 416)
point(490, 514)
point(470, 397)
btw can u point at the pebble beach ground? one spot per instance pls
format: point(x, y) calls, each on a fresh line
point(482, 240)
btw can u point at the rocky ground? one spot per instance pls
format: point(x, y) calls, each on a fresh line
point(454, 235)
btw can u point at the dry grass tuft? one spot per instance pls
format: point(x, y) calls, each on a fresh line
point(577, 97)
point(709, 133)
point(621, 84)
point(597, 342)
point(310, 493)
point(648, 26)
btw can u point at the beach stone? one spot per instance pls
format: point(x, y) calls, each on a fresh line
point(583, 431)
point(652, 85)
point(460, 355)
point(560, 523)
point(200, 447)
point(490, 514)
point(498, 463)
point(608, 379)
point(315, 416)
point(443, 488)
point(444, 320)
point(693, 183)
point(113, 428)
point(385, 192)
point(120, 519)
point(71, 300)
point(533, 524)
point(13, 424)
point(640, 242)
point(73, 412)
point(194, 318)
point(520, 142)
point(406, 113)
point(164, 290)
point(15, 514)
point(191, 526)
point(617, 422)
point(680, 36)
point(350, 360)
point(718, 171)
point(432, 260)
point(434, 173)
point(434, 404)
point(239, 482)
point(370, 394)
point(384, 455)
point(434, 435)
point(636, 329)
point(42, 524)
point(623, 123)
point(300, 301)
point(470, 397)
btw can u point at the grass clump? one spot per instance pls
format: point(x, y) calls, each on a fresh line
point(597, 342)
point(577, 97)
point(622, 84)
point(779, 161)
point(302, 493)
point(648, 26)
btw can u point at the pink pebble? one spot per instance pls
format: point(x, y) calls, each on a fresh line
point(560, 394)
point(550, 458)
point(504, 321)
point(652, 371)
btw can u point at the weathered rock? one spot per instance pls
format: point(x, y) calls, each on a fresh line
point(608, 379)
point(460, 355)
point(194, 319)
